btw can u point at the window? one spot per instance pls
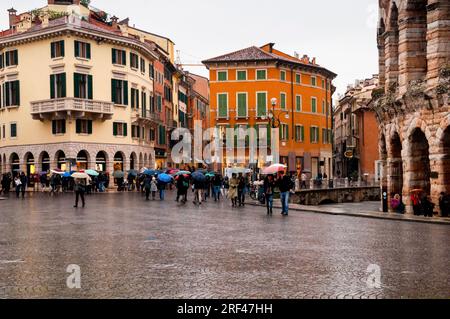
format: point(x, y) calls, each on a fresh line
point(298, 103)
point(325, 136)
point(151, 71)
point(222, 75)
point(134, 98)
point(323, 83)
point(161, 135)
point(57, 49)
point(284, 132)
point(261, 100)
point(82, 50)
point(283, 75)
point(144, 104)
point(299, 133)
point(13, 130)
point(298, 78)
point(222, 105)
point(241, 75)
point(324, 110)
point(242, 104)
point(134, 61)
point(58, 127)
point(314, 136)
point(159, 102)
point(142, 65)
point(11, 93)
point(314, 105)
point(313, 80)
point(120, 129)
point(261, 74)
point(57, 86)
point(82, 86)
point(2, 61)
point(135, 131)
point(152, 134)
point(83, 127)
point(119, 92)
point(283, 101)
point(119, 57)
point(11, 58)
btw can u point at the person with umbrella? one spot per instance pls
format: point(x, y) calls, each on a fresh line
point(269, 190)
point(233, 191)
point(182, 188)
point(80, 188)
point(148, 186)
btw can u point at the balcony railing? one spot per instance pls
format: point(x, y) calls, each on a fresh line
point(147, 117)
point(71, 107)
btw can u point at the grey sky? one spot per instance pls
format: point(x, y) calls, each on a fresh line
point(340, 33)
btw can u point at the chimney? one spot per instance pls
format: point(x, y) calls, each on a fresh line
point(12, 17)
point(114, 21)
point(271, 45)
point(313, 61)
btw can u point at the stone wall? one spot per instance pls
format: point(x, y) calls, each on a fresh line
point(338, 195)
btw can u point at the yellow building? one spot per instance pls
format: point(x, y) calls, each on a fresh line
point(77, 88)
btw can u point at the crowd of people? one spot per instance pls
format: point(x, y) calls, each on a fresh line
point(422, 204)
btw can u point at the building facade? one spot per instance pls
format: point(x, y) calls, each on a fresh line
point(242, 86)
point(412, 106)
point(81, 88)
point(356, 134)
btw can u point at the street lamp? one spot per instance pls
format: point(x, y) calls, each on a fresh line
point(274, 120)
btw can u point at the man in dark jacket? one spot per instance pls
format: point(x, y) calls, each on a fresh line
point(24, 181)
point(80, 188)
point(182, 188)
point(284, 183)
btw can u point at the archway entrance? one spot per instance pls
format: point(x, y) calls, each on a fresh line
point(419, 162)
point(45, 162)
point(61, 160)
point(82, 160)
point(100, 162)
point(15, 164)
point(133, 160)
point(118, 162)
point(31, 167)
point(445, 167)
point(396, 166)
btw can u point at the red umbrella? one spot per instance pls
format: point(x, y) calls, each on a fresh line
point(273, 169)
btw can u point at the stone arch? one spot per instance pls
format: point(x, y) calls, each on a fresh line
point(444, 167)
point(418, 162)
point(101, 161)
point(119, 161)
point(395, 165)
point(44, 161)
point(60, 158)
point(30, 163)
point(392, 47)
point(14, 162)
point(133, 161)
point(83, 159)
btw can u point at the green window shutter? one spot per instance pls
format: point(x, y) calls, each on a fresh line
point(88, 50)
point(114, 58)
point(283, 101)
point(287, 132)
point(53, 49)
point(63, 130)
point(78, 126)
point(302, 133)
point(63, 80)
point(125, 129)
point(133, 98)
point(113, 91)
point(16, 57)
point(269, 135)
point(125, 92)
point(261, 102)
point(90, 88)
point(52, 87)
point(76, 85)
point(242, 105)
point(138, 131)
point(63, 49)
point(7, 94)
point(7, 58)
point(124, 57)
point(77, 49)
point(115, 129)
point(223, 105)
point(53, 127)
point(89, 127)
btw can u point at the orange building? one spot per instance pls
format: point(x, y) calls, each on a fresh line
point(243, 86)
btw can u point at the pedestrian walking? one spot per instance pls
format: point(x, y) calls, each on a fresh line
point(17, 184)
point(226, 187)
point(23, 183)
point(217, 186)
point(284, 183)
point(269, 190)
point(233, 191)
point(198, 186)
point(154, 188)
point(162, 189)
point(147, 186)
point(80, 188)
point(182, 188)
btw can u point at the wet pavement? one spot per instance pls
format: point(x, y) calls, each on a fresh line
point(128, 248)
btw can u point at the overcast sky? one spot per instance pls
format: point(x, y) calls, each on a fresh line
point(340, 33)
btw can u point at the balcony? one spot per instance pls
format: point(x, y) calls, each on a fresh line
point(71, 108)
point(146, 117)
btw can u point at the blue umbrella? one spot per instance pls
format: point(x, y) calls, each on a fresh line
point(66, 174)
point(150, 172)
point(164, 178)
point(198, 176)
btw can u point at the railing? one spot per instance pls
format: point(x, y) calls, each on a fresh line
point(71, 104)
point(147, 115)
point(339, 183)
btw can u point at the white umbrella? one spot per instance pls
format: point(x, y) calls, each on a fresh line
point(56, 172)
point(81, 176)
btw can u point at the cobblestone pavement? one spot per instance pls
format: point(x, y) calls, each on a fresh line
point(128, 248)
